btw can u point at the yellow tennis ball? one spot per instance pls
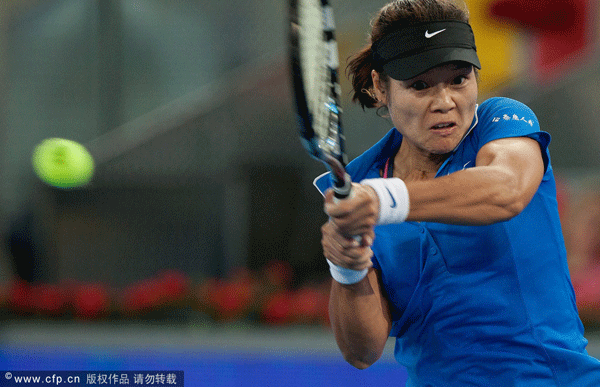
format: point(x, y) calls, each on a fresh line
point(63, 163)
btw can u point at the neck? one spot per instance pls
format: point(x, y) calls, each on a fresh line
point(417, 165)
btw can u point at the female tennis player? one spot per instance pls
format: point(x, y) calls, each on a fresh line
point(462, 256)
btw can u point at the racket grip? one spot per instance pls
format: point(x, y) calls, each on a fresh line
point(342, 189)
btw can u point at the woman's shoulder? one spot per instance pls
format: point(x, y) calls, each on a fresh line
point(504, 105)
point(502, 115)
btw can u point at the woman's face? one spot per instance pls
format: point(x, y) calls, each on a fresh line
point(434, 110)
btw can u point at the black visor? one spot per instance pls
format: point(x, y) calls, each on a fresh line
point(414, 49)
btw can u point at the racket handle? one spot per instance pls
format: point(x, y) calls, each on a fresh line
point(342, 189)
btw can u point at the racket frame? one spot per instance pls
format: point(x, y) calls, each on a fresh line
point(330, 149)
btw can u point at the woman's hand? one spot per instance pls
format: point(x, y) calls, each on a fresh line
point(348, 235)
point(344, 251)
point(355, 215)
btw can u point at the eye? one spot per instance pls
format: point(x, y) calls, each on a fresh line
point(459, 80)
point(419, 85)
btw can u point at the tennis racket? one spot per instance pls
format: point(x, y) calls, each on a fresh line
point(314, 70)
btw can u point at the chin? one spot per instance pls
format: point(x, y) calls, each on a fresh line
point(444, 149)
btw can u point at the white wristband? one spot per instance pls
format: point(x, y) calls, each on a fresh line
point(346, 276)
point(393, 199)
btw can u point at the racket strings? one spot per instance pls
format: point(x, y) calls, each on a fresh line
point(314, 56)
point(324, 65)
point(319, 63)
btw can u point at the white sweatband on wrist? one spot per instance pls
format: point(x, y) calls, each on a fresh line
point(393, 199)
point(346, 276)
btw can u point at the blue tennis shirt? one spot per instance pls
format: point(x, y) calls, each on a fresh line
point(481, 305)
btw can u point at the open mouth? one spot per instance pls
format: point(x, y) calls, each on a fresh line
point(444, 125)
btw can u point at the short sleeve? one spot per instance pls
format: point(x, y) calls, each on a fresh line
point(504, 118)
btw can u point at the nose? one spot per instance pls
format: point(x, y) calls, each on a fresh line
point(443, 100)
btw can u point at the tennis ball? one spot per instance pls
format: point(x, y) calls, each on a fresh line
point(62, 163)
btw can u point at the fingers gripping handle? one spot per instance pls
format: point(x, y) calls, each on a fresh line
point(342, 190)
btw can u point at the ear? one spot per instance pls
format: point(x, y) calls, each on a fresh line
point(379, 88)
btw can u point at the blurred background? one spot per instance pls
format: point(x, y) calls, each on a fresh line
point(197, 245)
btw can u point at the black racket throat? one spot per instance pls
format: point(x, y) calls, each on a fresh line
point(341, 189)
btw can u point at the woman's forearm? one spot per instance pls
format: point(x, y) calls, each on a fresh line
point(360, 320)
point(475, 196)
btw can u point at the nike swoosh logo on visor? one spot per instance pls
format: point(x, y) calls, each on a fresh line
point(431, 35)
point(391, 196)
